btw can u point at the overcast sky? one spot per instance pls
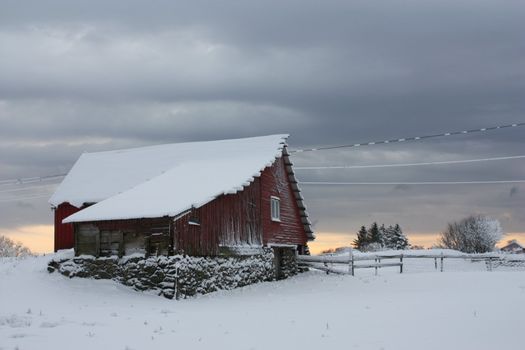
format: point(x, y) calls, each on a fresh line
point(96, 75)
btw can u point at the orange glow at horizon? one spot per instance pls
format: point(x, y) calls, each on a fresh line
point(328, 240)
point(39, 238)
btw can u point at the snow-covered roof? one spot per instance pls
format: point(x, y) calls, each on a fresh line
point(512, 246)
point(166, 180)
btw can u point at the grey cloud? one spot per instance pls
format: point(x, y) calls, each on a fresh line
point(25, 213)
point(24, 205)
point(95, 75)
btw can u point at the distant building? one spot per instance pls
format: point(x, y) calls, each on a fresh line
point(513, 247)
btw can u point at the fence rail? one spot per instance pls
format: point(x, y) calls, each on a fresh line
point(365, 261)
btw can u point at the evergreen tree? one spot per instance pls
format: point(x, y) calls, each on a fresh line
point(382, 235)
point(374, 234)
point(362, 239)
point(398, 241)
point(388, 237)
point(375, 240)
point(379, 237)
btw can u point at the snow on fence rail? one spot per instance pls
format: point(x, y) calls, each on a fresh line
point(356, 261)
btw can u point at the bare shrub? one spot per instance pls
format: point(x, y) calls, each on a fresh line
point(10, 248)
point(475, 234)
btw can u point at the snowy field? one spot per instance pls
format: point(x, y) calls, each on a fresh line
point(464, 307)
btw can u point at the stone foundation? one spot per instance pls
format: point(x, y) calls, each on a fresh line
point(288, 263)
point(179, 276)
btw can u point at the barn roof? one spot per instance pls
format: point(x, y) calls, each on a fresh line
point(167, 180)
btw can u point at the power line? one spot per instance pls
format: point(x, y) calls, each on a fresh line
point(491, 182)
point(29, 180)
point(42, 186)
point(21, 181)
point(22, 198)
point(465, 161)
point(408, 139)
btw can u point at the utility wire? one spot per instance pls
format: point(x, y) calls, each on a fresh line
point(21, 181)
point(407, 139)
point(30, 180)
point(345, 184)
point(410, 183)
point(31, 188)
point(465, 161)
point(22, 198)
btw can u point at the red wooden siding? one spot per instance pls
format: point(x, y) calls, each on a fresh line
point(244, 218)
point(290, 230)
point(64, 238)
point(229, 220)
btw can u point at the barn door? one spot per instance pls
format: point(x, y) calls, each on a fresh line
point(87, 240)
point(111, 243)
point(158, 242)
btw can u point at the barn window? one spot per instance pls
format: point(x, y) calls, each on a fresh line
point(275, 208)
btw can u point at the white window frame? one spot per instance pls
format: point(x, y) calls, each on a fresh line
point(275, 208)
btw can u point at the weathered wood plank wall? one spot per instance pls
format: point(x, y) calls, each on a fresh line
point(120, 237)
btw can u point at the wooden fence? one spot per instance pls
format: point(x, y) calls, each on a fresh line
point(376, 261)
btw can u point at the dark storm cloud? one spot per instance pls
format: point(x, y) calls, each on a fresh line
point(242, 50)
point(95, 75)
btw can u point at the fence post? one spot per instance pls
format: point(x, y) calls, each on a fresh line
point(441, 261)
point(176, 284)
point(401, 262)
point(436, 263)
point(375, 260)
point(489, 266)
point(351, 262)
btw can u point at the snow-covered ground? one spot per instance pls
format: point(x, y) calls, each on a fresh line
point(465, 307)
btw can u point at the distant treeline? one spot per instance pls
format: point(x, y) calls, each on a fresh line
point(380, 237)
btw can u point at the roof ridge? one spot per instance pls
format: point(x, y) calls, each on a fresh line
point(126, 150)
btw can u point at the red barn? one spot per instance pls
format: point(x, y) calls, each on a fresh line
point(200, 198)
